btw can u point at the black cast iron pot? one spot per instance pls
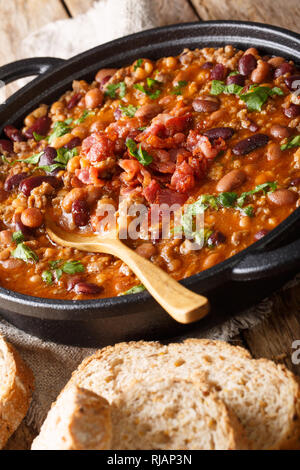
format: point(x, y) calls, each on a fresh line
point(233, 284)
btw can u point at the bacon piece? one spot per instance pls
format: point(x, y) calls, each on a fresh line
point(170, 197)
point(183, 178)
point(199, 144)
point(164, 126)
point(131, 169)
point(124, 128)
point(90, 175)
point(151, 191)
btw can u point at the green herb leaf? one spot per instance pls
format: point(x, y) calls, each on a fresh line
point(47, 277)
point(265, 187)
point(18, 237)
point(129, 110)
point(227, 199)
point(235, 72)
point(138, 64)
point(4, 159)
point(177, 90)
point(64, 155)
point(60, 128)
point(54, 264)
point(254, 98)
point(137, 152)
point(24, 253)
point(84, 116)
point(112, 89)
point(153, 95)
point(58, 273)
point(258, 95)
point(38, 137)
point(33, 160)
point(72, 267)
point(292, 143)
point(134, 290)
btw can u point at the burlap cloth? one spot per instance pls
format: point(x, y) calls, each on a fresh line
point(53, 364)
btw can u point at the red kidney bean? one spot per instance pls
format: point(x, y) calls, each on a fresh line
point(13, 133)
point(253, 142)
point(280, 132)
point(73, 280)
point(205, 105)
point(292, 111)
point(247, 64)
point(218, 72)
point(41, 126)
point(282, 69)
point(75, 142)
point(80, 212)
point(87, 288)
point(74, 100)
point(295, 182)
point(262, 233)
point(207, 65)
point(238, 79)
point(282, 197)
point(216, 238)
point(48, 156)
point(28, 184)
point(148, 111)
point(292, 82)
point(13, 181)
point(6, 146)
point(223, 132)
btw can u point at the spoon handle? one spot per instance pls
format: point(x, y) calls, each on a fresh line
point(182, 304)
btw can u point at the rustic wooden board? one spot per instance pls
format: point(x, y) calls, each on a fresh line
point(180, 11)
point(19, 18)
point(274, 337)
point(273, 12)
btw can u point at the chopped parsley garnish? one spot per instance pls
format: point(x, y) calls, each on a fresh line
point(177, 90)
point(33, 160)
point(292, 143)
point(227, 200)
point(84, 116)
point(129, 110)
point(58, 267)
point(60, 128)
point(235, 72)
point(47, 277)
point(138, 64)
point(38, 137)
point(138, 152)
point(151, 83)
point(134, 290)
point(72, 267)
point(18, 237)
point(4, 159)
point(62, 159)
point(112, 89)
point(254, 98)
point(24, 253)
point(265, 188)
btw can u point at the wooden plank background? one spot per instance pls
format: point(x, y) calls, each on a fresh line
point(272, 338)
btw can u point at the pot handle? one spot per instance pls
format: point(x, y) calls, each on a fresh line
point(28, 67)
point(262, 265)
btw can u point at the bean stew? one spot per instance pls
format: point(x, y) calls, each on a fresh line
point(213, 131)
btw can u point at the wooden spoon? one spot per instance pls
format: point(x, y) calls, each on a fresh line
point(182, 304)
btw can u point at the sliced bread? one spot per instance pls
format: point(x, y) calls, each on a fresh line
point(16, 387)
point(264, 396)
point(173, 414)
point(80, 420)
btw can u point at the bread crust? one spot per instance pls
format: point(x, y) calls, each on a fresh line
point(290, 433)
point(16, 388)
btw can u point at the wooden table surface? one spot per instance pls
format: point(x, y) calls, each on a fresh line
point(272, 338)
